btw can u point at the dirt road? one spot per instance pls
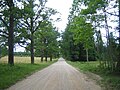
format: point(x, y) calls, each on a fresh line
point(59, 76)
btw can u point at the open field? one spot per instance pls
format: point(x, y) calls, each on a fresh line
point(9, 75)
point(18, 59)
point(109, 81)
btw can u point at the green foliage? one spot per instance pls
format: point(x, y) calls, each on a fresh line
point(3, 51)
point(46, 40)
point(66, 44)
point(83, 32)
point(22, 54)
point(27, 17)
point(71, 50)
point(87, 19)
point(36, 17)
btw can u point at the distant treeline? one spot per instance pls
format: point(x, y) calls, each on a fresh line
point(22, 54)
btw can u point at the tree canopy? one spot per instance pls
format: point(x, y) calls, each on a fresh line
point(90, 26)
point(20, 21)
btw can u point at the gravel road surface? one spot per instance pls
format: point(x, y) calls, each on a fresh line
point(58, 76)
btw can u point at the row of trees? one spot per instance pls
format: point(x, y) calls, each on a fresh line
point(27, 23)
point(89, 28)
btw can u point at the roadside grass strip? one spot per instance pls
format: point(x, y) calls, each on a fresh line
point(110, 81)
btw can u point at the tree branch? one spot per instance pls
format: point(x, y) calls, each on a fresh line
point(112, 14)
point(3, 35)
point(21, 45)
point(3, 32)
point(4, 22)
point(37, 26)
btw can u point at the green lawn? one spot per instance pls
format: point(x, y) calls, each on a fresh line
point(110, 81)
point(9, 75)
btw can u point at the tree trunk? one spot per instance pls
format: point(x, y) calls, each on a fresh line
point(42, 55)
point(41, 58)
point(46, 58)
point(32, 40)
point(87, 55)
point(108, 58)
point(119, 30)
point(118, 63)
point(50, 58)
point(32, 49)
point(11, 36)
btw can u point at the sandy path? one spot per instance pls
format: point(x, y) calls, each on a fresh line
point(59, 76)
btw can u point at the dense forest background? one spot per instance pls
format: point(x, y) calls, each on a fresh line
point(93, 33)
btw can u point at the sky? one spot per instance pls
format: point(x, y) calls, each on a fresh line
point(63, 7)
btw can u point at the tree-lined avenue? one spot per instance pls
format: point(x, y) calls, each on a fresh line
point(59, 76)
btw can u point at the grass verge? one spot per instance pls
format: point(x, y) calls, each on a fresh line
point(9, 75)
point(109, 80)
